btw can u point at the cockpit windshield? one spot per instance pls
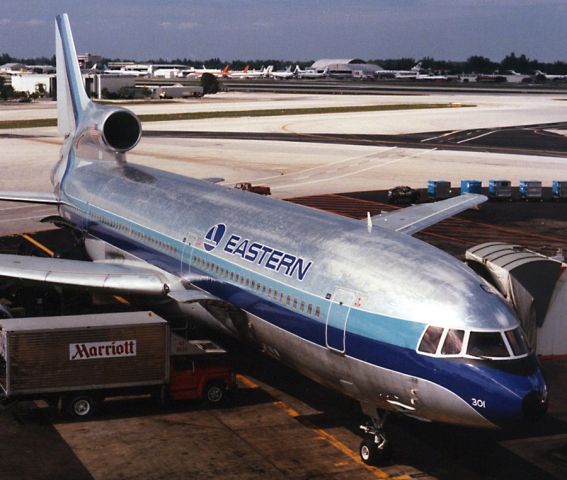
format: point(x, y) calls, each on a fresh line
point(442, 342)
point(487, 344)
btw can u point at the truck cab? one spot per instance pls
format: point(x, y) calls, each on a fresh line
point(199, 369)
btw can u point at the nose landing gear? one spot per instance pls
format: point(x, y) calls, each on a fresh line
point(374, 447)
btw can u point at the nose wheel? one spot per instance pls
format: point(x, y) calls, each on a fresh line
point(374, 447)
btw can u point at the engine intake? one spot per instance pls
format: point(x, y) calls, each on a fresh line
point(121, 130)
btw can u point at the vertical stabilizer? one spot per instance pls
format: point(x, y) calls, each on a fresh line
point(72, 99)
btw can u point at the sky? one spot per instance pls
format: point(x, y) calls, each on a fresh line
point(291, 29)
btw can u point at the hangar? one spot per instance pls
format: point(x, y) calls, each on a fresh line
point(346, 67)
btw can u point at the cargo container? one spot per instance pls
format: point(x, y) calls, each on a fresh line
point(75, 362)
point(530, 190)
point(559, 189)
point(471, 186)
point(438, 189)
point(500, 189)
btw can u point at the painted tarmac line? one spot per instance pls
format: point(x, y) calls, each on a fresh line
point(350, 174)
point(36, 216)
point(439, 136)
point(322, 433)
point(39, 245)
point(478, 136)
point(326, 165)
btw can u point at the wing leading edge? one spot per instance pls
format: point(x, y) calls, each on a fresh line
point(413, 219)
point(45, 198)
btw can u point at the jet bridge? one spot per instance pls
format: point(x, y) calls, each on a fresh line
point(534, 285)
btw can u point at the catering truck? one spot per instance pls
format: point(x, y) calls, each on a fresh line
point(76, 362)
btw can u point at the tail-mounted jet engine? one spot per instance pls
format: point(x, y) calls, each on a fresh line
point(117, 128)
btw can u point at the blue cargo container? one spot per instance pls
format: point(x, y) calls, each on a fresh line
point(471, 186)
point(530, 190)
point(500, 189)
point(438, 189)
point(559, 189)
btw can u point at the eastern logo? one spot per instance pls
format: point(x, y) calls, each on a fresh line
point(214, 236)
point(258, 253)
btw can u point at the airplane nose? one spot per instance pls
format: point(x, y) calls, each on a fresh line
point(535, 405)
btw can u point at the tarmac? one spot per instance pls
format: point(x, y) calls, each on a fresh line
point(280, 424)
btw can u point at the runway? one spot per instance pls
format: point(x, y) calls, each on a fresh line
point(541, 139)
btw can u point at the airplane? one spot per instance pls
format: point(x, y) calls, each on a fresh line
point(280, 74)
point(362, 307)
point(198, 72)
point(262, 73)
point(400, 74)
point(551, 78)
point(430, 77)
point(310, 73)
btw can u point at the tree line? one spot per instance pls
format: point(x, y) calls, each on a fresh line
point(474, 64)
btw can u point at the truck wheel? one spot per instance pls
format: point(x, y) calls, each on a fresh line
point(214, 392)
point(82, 406)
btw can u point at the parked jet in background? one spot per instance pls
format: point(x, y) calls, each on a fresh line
point(280, 74)
point(361, 307)
point(310, 73)
point(400, 74)
point(551, 78)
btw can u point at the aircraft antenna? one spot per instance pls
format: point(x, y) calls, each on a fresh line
point(369, 222)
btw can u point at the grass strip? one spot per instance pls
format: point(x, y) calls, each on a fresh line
point(164, 117)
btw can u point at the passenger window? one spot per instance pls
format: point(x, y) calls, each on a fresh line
point(309, 309)
point(517, 341)
point(288, 301)
point(253, 284)
point(317, 311)
point(247, 282)
point(295, 303)
point(453, 342)
point(302, 306)
point(430, 339)
point(487, 344)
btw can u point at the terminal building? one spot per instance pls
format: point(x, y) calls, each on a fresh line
point(346, 67)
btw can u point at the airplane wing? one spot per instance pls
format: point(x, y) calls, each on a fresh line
point(47, 198)
point(102, 276)
point(413, 219)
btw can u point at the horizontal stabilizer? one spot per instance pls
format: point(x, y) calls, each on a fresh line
point(213, 179)
point(46, 198)
point(104, 276)
point(418, 217)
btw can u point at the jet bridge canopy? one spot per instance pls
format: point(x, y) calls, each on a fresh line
point(525, 278)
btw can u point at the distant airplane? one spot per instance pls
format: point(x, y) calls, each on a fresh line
point(310, 73)
point(400, 74)
point(551, 78)
point(362, 307)
point(430, 77)
point(280, 74)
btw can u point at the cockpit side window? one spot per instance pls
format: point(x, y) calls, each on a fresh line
point(517, 341)
point(453, 342)
point(430, 340)
point(487, 344)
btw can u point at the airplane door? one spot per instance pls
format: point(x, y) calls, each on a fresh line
point(186, 253)
point(335, 328)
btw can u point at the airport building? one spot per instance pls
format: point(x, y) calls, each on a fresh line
point(346, 67)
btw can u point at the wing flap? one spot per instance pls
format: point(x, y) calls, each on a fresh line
point(418, 217)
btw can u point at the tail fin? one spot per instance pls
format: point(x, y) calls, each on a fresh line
point(72, 99)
